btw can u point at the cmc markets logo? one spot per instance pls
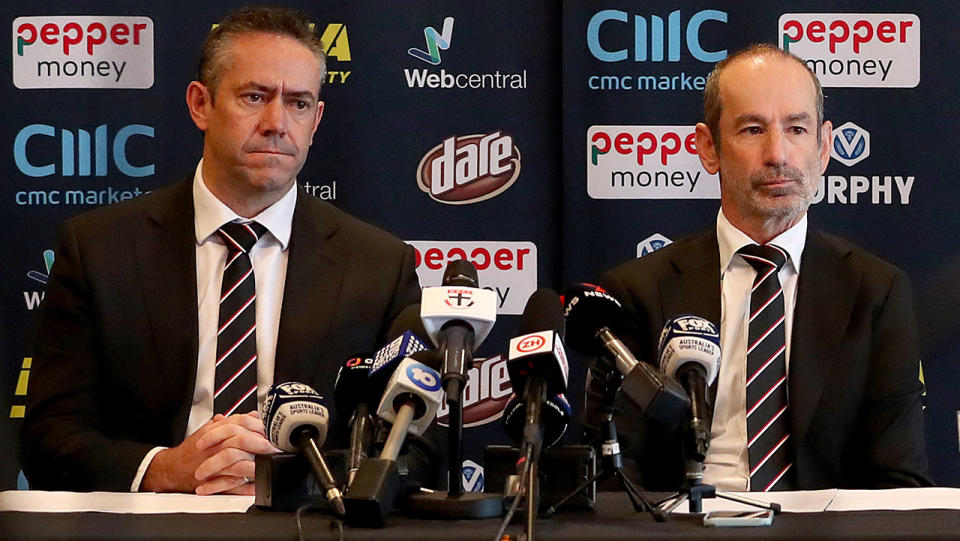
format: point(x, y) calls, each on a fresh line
point(615, 36)
point(486, 394)
point(652, 244)
point(42, 150)
point(851, 144)
point(77, 51)
point(507, 268)
point(443, 79)
point(646, 162)
point(856, 49)
point(466, 169)
point(436, 41)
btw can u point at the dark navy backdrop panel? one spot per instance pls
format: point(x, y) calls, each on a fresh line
point(477, 138)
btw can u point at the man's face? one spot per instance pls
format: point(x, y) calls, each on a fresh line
point(260, 123)
point(769, 158)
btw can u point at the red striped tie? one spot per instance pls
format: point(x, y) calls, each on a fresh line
point(235, 387)
point(768, 427)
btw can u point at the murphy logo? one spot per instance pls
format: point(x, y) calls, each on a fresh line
point(79, 51)
point(466, 169)
point(856, 49)
point(436, 42)
point(851, 144)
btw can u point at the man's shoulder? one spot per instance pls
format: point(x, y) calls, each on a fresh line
point(345, 228)
point(854, 255)
point(124, 216)
point(667, 259)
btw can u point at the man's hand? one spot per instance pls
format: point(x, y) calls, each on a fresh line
point(217, 458)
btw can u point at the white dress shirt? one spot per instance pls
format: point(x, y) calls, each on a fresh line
point(269, 258)
point(727, 463)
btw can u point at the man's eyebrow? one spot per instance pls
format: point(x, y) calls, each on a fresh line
point(272, 89)
point(799, 117)
point(750, 118)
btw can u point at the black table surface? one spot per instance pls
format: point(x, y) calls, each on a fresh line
point(613, 518)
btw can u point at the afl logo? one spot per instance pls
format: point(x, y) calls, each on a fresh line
point(532, 343)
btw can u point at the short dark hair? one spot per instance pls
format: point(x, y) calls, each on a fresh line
point(712, 108)
point(250, 20)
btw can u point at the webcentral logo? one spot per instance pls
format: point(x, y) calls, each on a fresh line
point(651, 39)
point(440, 41)
point(436, 41)
point(82, 52)
point(851, 144)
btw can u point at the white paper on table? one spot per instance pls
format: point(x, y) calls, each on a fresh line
point(896, 499)
point(807, 501)
point(40, 501)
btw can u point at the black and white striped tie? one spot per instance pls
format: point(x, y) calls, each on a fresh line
point(768, 429)
point(235, 388)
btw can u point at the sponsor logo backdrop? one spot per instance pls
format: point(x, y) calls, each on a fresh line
point(455, 129)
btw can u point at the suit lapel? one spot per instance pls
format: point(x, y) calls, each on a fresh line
point(695, 288)
point(315, 270)
point(166, 258)
point(826, 291)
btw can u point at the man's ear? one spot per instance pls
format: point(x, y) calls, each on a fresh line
point(826, 142)
point(707, 149)
point(199, 102)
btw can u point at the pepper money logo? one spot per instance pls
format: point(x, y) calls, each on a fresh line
point(79, 51)
point(436, 41)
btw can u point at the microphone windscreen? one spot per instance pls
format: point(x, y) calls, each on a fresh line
point(587, 309)
point(543, 312)
point(352, 385)
point(554, 414)
point(288, 407)
point(689, 339)
point(460, 272)
point(408, 320)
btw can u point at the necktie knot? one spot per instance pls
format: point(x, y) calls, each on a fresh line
point(241, 237)
point(762, 257)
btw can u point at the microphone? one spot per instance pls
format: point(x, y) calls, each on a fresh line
point(690, 351)
point(555, 416)
point(410, 402)
point(296, 419)
point(458, 316)
point(352, 392)
point(537, 363)
point(593, 316)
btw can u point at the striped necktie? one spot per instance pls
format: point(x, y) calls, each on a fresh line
point(235, 388)
point(768, 428)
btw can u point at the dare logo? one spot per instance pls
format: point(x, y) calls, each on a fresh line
point(466, 169)
point(486, 394)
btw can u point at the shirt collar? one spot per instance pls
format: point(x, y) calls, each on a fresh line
point(210, 213)
point(731, 239)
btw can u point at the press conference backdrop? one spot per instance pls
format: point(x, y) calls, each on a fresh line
point(545, 141)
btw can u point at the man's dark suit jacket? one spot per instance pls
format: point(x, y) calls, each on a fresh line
point(855, 411)
point(116, 352)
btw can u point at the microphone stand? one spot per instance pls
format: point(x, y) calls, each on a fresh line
point(694, 490)
point(611, 460)
point(455, 503)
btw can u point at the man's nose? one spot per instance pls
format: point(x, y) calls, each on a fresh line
point(273, 120)
point(775, 149)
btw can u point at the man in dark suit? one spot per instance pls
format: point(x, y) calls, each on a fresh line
point(127, 380)
point(835, 393)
